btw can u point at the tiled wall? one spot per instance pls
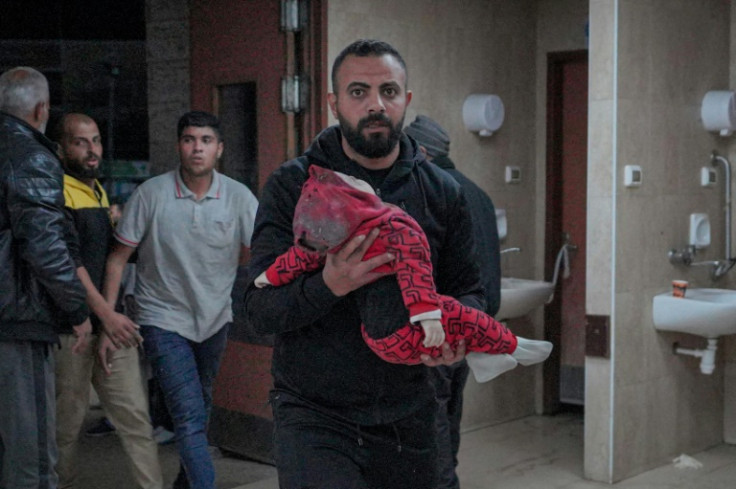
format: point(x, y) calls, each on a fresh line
point(647, 80)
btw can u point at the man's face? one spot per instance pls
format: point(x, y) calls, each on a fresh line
point(81, 149)
point(199, 150)
point(370, 101)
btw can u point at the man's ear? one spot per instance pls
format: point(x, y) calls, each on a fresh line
point(40, 114)
point(332, 101)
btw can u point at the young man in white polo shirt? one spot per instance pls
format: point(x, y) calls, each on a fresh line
point(191, 227)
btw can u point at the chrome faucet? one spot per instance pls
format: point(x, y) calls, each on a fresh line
point(686, 255)
point(511, 250)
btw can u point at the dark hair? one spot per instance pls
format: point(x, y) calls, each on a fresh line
point(198, 118)
point(364, 48)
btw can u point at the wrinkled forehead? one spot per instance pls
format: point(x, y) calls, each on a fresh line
point(371, 71)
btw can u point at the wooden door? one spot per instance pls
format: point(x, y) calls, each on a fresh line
point(567, 139)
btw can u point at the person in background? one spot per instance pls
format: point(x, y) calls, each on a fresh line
point(191, 228)
point(450, 380)
point(343, 417)
point(119, 385)
point(38, 283)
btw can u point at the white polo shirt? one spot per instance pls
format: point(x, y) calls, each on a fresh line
point(188, 251)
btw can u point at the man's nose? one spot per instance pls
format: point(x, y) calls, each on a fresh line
point(376, 103)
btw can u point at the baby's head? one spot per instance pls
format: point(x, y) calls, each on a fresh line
point(331, 207)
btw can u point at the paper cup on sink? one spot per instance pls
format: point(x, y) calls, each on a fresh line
point(679, 287)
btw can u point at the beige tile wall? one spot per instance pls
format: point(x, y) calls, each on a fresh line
point(651, 64)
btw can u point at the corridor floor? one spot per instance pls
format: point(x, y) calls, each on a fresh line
point(536, 452)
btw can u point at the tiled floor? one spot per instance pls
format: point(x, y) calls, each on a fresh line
point(536, 452)
point(546, 452)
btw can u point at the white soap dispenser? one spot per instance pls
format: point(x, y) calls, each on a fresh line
point(699, 230)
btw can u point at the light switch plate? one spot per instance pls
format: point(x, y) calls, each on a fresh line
point(632, 175)
point(708, 177)
point(513, 174)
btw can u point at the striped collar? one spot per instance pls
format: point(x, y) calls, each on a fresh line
point(183, 192)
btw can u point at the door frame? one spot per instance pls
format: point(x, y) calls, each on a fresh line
point(553, 221)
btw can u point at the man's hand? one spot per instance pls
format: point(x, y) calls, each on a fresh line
point(345, 271)
point(434, 335)
point(82, 332)
point(105, 349)
point(121, 330)
point(448, 356)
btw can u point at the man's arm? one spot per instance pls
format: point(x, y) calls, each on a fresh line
point(121, 333)
point(115, 325)
point(309, 297)
point(458, 275)
point(35, 202)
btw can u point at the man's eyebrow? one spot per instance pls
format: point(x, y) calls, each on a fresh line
point(358, 84)
point(388, 84)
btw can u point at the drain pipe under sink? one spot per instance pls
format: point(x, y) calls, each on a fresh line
point(707, 356)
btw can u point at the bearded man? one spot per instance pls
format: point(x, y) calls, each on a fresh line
point(343, 417)
point(118, 382)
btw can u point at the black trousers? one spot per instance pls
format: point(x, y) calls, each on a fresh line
point(449, 383)
point(315, 450)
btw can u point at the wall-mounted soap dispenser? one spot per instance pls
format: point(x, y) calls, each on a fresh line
point(699, 230)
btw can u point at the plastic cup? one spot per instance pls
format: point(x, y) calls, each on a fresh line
point(679, 287)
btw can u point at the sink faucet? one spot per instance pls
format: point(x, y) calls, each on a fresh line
point(686, 255)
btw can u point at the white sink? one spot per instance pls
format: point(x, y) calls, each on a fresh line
point(519, 296)
point(704, 312)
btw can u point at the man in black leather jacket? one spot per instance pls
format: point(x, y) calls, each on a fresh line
point(343, 417)
point(38, 282)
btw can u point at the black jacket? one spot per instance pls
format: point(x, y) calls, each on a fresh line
point(485, 232)
point(319, 354)
point(38, 280)
point(89, 211)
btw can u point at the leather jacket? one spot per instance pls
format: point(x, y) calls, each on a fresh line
point(39, 288)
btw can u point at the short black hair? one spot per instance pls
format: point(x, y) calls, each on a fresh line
point(364, 48)
point(198, 118)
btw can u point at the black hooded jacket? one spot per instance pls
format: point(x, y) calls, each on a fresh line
point(39, 287)
point(485, 231)
point(319, 354)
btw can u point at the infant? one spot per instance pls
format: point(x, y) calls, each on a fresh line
point(332, 209)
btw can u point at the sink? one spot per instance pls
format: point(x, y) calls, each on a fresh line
point(519, 296)
point(709, 313)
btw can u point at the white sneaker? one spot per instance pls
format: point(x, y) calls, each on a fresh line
point(162, 436)
point(486, 367)
point(529, 352)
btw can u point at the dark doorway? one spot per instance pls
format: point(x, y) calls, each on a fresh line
point(237, 110)
point(567, 136)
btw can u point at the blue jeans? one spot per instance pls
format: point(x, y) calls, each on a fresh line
point(186, 370)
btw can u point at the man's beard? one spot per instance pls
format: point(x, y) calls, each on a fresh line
point(80, 171)
point(376, 145)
